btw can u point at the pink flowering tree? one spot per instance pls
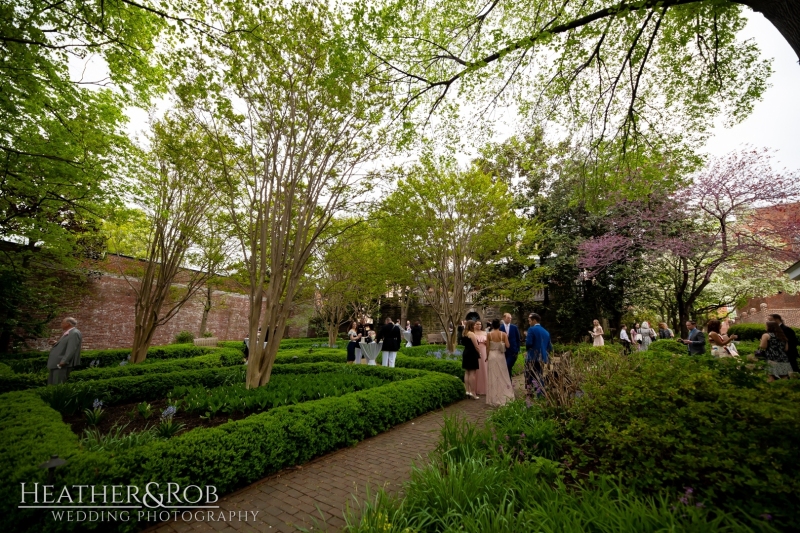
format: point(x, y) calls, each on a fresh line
point(738, 208)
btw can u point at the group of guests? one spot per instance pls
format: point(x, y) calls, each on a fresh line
point(489, 358)
point(390, 334)
point(640, 336)
point(778, 345)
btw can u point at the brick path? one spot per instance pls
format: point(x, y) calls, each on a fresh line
point(314, 495)
point(304, 496)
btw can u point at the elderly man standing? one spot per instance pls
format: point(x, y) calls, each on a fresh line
point(65, 353)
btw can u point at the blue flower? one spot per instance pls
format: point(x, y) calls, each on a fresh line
point(123, 363)
point(169, 412)
point(97, 404)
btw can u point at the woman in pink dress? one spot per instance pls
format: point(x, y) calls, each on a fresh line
point(499, 389)
point(480, 336)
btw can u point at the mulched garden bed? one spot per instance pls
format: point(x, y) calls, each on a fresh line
point(123, 414)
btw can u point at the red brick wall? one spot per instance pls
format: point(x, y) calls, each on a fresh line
point(106, 316)
point(786, 305)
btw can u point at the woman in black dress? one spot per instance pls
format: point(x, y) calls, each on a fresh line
point(469, 359)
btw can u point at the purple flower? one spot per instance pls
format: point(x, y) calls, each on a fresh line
point(689, 490)
point(766, 516)
point(528, 403)
point(684, 500)
point(500, 449)
point(522, 435)
point(506, 437)
point(699, 504)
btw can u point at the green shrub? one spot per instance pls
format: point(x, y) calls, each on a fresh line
point(228, 456)
point(666, 423)
point(192, 358)
point(751, 332)
point(113, 357)
point(184, 337)
point(668, 346)
point(218, 358)
point(282, 390)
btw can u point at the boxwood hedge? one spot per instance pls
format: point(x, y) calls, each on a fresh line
point(113, 357)
point(228, 456)
point(751, 332)
point(213, 357)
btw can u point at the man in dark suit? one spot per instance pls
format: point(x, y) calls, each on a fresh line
point(791, 337)
point(697, 339)
point(65, 353)
point(416, 334)
point(512, 352)
point(390, 336)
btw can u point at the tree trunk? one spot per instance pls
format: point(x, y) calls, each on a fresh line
point(206, 309)
point(333, 332)
point(142, 336)
point(783, 14)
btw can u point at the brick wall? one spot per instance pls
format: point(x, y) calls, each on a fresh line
point(786, 305)
point(105, 317)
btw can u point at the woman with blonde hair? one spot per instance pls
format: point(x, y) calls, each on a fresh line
point(597, 334)
point(664, 332)
point(499, 389)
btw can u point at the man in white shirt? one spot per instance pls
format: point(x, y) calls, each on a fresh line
point(626, 341)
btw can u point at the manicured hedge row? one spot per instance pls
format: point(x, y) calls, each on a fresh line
point(111, 357)
point(228, 456)
point(751, 332)
point(422, 363)
point(214, 358)
point(219, 358)
point(287, 344)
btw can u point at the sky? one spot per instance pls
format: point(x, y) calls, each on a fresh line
point(774, 122)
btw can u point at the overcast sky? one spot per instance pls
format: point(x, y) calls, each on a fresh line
point(775, 121)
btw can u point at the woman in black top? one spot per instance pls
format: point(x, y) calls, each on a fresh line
point(416, 334)
point(469, 359)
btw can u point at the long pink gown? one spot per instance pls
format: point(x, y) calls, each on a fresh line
point(480, 387)
point(499, 388)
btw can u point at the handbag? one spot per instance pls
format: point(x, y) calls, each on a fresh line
point(732, 350)
point(639, 337)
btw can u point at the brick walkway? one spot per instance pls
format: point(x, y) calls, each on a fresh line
point(315, 494)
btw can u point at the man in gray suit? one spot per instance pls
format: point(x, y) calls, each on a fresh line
point(65, 353)
point(697, 339)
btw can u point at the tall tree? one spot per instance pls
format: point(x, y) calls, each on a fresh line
point(291, 124)
point(174, 197)
point(215, 254)
point(706, 225)
point(348, 271)
point(445, 221)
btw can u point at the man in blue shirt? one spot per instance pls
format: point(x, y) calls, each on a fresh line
point(538, 346)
